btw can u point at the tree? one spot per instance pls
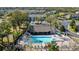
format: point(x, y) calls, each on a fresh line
point(19, 21)
point(49, 19)
point(17, 18)
point(4, 31)
point(37, 18)
point(62, 28)
point(53, 46)
point(5, 28)
point(56, 24)
point(73, 25)
point(53, 21)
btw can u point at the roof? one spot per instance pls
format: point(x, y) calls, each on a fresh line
point(37, 15)
point(42, 28)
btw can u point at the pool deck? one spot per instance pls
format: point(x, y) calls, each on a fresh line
point(64, 45)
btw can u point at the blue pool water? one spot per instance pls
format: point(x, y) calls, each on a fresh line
point(41, 39)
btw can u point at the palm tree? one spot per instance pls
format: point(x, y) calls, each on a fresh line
point(53, 46)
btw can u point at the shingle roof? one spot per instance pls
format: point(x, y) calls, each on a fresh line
point(42, 28)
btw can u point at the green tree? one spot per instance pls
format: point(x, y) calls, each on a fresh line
point(5, 28)
point(17, 18)
point(49, 19)
point(73, 25)
point(53, 21)
point(4, 31)
point(53, 46)
point(37, 18)
point(62, 28)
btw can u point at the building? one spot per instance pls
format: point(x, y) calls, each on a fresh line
point(40, 29)
point(75, 16)
point(65, 23)
point(33, 16)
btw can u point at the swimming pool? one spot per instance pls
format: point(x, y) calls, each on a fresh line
point(42, 39)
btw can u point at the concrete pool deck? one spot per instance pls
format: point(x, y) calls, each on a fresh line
point(60, 42)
